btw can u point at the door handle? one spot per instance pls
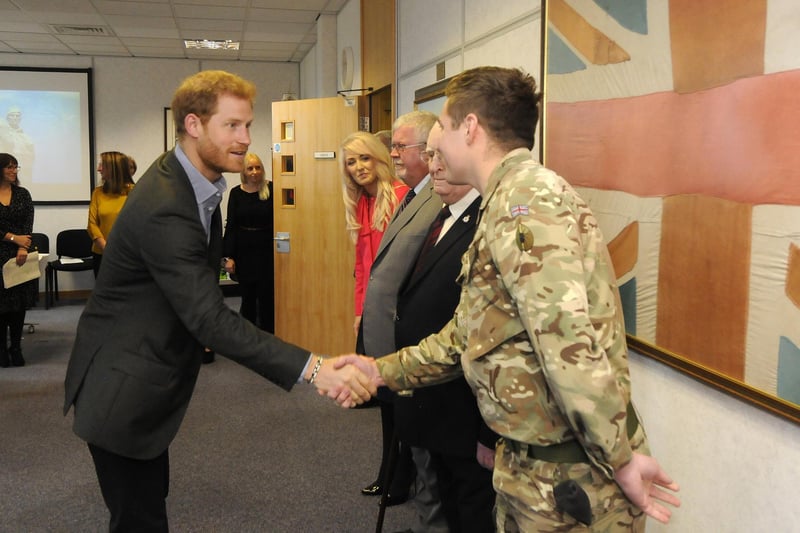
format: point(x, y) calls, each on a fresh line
point(282, 239)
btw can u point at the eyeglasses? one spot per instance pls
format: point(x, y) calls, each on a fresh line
point(12, 167)
point(428, 155)
point(400, 148)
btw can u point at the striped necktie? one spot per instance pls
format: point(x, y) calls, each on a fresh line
point(406, 200)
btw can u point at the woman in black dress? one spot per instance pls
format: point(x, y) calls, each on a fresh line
point(16, 225)
point(248, 244)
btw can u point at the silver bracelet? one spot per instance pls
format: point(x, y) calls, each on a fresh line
point(314, 372)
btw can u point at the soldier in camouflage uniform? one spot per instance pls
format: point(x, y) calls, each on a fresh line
point(538, 332)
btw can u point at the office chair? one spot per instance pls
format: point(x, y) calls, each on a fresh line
point(74, 250)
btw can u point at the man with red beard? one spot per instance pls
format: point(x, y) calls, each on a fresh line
point(157, 303)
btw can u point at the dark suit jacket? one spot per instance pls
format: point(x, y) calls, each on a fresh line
point(155, 305)
point(445, 417)
point(399, 247)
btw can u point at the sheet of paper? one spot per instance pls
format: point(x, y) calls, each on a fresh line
point(70, 261)
point(14, 275)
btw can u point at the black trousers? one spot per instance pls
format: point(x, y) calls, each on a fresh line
point(466, 491)
point(404, 470)
point(258, 304)
point(135, 491)
point(13, 322)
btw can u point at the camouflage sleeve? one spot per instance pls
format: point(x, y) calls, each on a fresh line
point(434, 360)
point(539, 246)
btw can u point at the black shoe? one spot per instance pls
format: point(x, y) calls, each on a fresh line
point(16, 357)
point(373, 489)
point(208, 357)
point(5, 362)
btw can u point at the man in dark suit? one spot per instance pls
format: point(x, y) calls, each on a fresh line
point(444, 419)
point(399, 246)
point(157, 303)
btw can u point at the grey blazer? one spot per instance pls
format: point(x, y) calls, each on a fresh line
point(155, 305)
point(397, 252)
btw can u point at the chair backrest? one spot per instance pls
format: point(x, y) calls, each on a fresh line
point(73, 243)
point(40, 242)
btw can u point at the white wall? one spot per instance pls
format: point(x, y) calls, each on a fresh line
point(308, 74)
point(738, 466)
point(348, 33)
point(463, 34)
point(130, 95)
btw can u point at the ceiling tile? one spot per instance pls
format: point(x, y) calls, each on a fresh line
point(49, 6)
point(209, 12)
point(283, 15)
point(28, 37)
point(150, 9)
point(105, 50)
point(156, 52)
point(209, 24)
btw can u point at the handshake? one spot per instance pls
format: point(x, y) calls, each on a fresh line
point(350, 379)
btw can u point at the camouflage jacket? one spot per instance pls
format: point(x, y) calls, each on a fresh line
point(538, 331)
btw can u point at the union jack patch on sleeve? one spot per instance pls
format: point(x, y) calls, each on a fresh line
point(518, 210)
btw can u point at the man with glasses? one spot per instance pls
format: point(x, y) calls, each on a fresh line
point(399, 247)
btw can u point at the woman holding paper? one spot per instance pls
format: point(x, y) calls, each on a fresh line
point(16, 225)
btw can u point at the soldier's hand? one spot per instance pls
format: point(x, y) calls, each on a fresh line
point(640, 480)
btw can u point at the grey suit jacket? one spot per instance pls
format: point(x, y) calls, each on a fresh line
point(155, 305)
point(397, 252)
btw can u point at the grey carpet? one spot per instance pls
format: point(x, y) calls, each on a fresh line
point(249, 456)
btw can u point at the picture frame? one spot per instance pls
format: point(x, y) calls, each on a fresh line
point(47, 123)
point(644, 114)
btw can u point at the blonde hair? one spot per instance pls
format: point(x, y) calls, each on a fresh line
point(263, 189)
point(363, 143)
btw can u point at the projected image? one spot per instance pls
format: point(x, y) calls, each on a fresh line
point(45, 124)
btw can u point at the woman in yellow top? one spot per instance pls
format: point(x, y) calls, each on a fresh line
point(107, 200)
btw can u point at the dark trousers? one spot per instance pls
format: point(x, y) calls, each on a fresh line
point(13, 322)
point(258, 304)
point(466, 491)
point(96, 260)
point(404, 469)
point(135, 491)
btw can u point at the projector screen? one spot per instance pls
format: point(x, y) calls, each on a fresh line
point(46, 123)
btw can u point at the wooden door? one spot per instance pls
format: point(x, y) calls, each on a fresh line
point(314, 280)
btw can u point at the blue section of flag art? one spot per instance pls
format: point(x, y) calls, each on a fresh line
point(560, 58)
point(631, 14)
point(789, 371)
point(627, 295)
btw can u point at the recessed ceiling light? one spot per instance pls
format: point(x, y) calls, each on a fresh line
point(211, 45)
